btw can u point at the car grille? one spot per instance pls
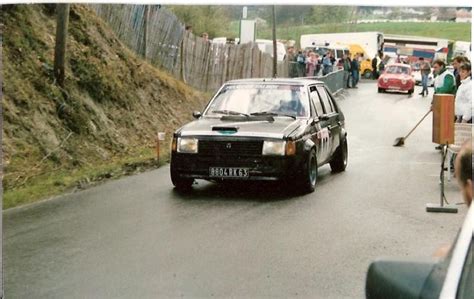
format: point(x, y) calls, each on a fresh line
point(230, 148)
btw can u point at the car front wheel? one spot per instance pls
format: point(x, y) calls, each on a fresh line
point(339, 161)
point(309, 175)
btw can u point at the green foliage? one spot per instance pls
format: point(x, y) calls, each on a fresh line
point(330, 14)
point(203, 18)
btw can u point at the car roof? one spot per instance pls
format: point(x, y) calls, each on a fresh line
point(292, 81)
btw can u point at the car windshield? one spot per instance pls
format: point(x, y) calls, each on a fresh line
point(254, 99)
point(395, 69)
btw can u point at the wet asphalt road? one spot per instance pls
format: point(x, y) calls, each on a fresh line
point(138, 238)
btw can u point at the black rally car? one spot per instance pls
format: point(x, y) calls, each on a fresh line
point(262, 129)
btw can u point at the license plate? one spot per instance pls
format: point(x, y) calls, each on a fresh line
point(393, 87)
point(228, 172)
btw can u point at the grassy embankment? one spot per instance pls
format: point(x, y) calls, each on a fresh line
point(102, 125)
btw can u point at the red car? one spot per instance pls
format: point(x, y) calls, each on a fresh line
point(397, 77)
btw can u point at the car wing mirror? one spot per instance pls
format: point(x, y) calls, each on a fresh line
point(397, 279)
point(324, 117)
point(197, 114)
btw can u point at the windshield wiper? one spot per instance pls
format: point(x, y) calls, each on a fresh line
point(229, 112)
point(272, 114)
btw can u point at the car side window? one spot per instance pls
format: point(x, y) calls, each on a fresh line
point(316, 102)
point(328, 108)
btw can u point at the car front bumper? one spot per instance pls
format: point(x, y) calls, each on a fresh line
point(267, 168)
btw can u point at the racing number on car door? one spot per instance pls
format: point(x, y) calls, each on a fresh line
point(333, 119)
point(323, 135)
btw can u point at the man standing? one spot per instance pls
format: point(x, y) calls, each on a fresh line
point(327, 65)
point(301, 63)
point(292, 72)
point(444, 81)
point(457, 61)
point(355, 71)
point(425, 70)
point(374, 68)
point(346, 62)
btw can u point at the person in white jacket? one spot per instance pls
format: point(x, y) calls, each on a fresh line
point(463, 104)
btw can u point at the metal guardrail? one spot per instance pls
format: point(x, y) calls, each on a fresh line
point(334, 80)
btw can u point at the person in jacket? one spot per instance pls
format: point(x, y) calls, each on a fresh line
point(425, 70)
point(355, 70)
point(456, 63)
point(300, 63)
point(346, 64)
point(374, 68)
point(327, 64)
point(463, 102)
point(311, 63)
point(444, 80)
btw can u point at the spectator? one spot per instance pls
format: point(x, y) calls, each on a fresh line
point(301, 63)
point(457, 61)
point(382, 64)
point(355, 70)
point(346, 63)
point(327, 65)
point(311, 63)
point(205, 36)
point(463, 103)
point(292, 66)
point(444, 81)
point(425, 70)
point(463, 171)
point(318, 65)
point(188, 28)
point(374, 68)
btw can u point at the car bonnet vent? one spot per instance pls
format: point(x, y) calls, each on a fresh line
point(226, 129)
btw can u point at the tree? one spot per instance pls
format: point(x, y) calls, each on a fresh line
point(330, 14)
point(61, 37)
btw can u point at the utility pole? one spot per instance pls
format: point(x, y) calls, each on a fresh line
point(274, 43)
point(145, 30)
point(61, 37)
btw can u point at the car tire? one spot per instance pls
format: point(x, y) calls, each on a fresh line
point(381, 90)
point(309, 173)
point(340, 157)
point(181, 183)
point(411, 91)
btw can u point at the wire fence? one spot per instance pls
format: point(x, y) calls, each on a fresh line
point(199, 63)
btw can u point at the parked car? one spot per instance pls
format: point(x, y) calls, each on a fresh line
point(262, 129)
point(417, 75)
point(452, 277)
point(397, 77)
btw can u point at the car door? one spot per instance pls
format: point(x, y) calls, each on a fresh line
point(322, 136)
point(332, 118)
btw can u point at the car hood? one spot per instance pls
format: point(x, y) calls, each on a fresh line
point(279, 128)
point(396, 76)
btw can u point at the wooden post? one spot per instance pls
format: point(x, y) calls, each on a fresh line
point(274, 43)
point(61, 37)
point(145, 30)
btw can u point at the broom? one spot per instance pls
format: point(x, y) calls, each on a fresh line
point(400, 141)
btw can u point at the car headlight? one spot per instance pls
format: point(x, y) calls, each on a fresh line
point(404, 81)
point(385, 79)
point(188, 145)
point(274, 148)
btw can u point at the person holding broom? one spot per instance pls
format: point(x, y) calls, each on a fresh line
point(444, 79)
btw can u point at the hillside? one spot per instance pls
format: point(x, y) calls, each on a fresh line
point(101, 125)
